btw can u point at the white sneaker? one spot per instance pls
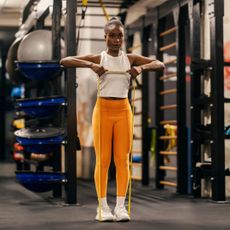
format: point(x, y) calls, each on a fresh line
point(121, 214)
point(106, 214)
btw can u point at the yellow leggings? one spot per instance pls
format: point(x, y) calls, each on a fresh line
point(112, 120)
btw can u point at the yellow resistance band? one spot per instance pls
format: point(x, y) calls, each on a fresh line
point(131, 152)
point(104, 10)
point(99, 122)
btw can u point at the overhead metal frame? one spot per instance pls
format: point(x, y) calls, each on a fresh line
point(122, 4)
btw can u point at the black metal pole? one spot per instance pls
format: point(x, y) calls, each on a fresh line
point(182, 158)
point(160, 174)
point(56, 55)
point(195, 21)
point(70, 156)
point(145, 112)
point(217, 93)
point(2, 107)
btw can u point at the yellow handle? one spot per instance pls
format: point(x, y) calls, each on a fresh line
point(84, 2)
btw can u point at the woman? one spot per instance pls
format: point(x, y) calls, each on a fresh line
point(112, 116)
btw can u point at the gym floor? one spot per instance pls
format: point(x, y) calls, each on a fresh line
point(151, 209)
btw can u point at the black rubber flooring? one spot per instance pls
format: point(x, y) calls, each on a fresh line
point(151, 209)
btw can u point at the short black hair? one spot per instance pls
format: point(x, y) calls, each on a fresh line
point(113, 21)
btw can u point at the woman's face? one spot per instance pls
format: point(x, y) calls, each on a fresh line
point(114, 37)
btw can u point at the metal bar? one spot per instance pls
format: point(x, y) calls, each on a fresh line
point(182, 157)
point(169, 31)
point(168, 137)
point(172, 168)
point(168, 153)
point(137, 151)
point(138, 125)
point(159, 113)
point(164, 107)
point(92, 39)
point(107, 6)
point(168, 183)
point(26, 10)
point(169, 46)
point(173, 60)
point(168, 122)
point(97, 15)
point(131, 49)
point(217, 94)
point(195, 35)
point(70, 154)
point(226, 64)
point(56, 55)
point(56, 30)
point(168, 91)
point(41, 20)
point(2, 106)
point(115, 4)
point(137, 138)
point(145, 108)
point(116, 72)
point(168, 76)
point(91, 27)
point(136, 177)
point(137, 164)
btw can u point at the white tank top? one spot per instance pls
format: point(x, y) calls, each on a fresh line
point(114, 84)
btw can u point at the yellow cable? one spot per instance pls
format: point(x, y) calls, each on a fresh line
point(99, 147)
point(104, 10)
point(131, 153)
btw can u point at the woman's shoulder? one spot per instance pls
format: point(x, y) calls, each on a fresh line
point(131, 57)
point(94, 57)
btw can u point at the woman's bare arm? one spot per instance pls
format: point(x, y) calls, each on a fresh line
point(140, 63)
point(88, 61)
